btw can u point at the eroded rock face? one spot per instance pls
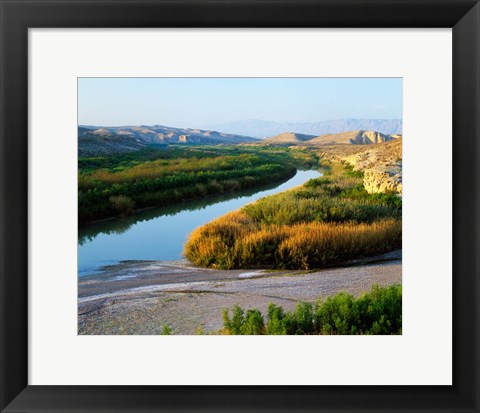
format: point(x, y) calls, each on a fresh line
point(358, 137)
point(369, 137)
point(381, 179)
point(381, 164)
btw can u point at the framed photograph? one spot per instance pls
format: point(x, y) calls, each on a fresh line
point(237, 206)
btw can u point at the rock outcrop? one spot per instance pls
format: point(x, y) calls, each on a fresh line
point(380, 163)
point(358, 137)
point(93, 140)
point(383, 179)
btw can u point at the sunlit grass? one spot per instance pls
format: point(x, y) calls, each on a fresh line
point(237, 241)
point(327, 221)
point(165, 177)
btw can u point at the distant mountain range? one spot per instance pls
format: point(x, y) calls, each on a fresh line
point(96, 140)
point(102, 140)
point(262, 128)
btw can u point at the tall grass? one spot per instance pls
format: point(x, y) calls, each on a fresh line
point(328, 220)
point(237, 241)
point(164, 177)
point(376, 312)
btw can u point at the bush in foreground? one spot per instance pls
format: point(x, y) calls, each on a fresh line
point(378, 312)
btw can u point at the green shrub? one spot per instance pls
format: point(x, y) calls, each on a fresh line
point(276, 324)
point(122, 205)
point(172, 175)
point(325, 222)
point(338, 315)
point(301, 320)
point(241, 323)
point(377, 312)
point(234, 325)
point(350, 172)
point(166, 330)
point(317, 182)
point(253, 324)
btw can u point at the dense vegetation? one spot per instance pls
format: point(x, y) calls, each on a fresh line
point(118, 185)
point(327, 221)
point(377, 312)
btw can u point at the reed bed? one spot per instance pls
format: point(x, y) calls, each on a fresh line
point(237, 241)
point(113, 186)
point(326, 221)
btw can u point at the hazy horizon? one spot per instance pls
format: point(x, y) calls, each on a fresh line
point(239, 120)
point(197, 102)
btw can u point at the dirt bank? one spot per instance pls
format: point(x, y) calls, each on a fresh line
point(138, 297)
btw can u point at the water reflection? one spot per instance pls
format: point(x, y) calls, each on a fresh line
point(160, 233)
point(120, 225)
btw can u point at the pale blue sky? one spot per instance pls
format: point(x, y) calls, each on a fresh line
point(194, 102)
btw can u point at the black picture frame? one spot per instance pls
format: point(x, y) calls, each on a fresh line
point(17, 16)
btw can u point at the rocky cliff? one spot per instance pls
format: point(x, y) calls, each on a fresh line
point(380, 163)
point(358, 137)
point(96, 140)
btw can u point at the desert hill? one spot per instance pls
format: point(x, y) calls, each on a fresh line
point(91, 145)
point(94, 140)
point(289, 137)
point(359, 137)
point(380, 163)
point(261, 128)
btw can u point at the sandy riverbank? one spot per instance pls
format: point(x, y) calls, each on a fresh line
point(138, 297)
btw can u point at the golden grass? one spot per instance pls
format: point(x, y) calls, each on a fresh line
point(160, 168)
point(237, 241)
point(319, 244)
point(327, 221)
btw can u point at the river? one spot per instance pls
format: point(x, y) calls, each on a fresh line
point(160, 233)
